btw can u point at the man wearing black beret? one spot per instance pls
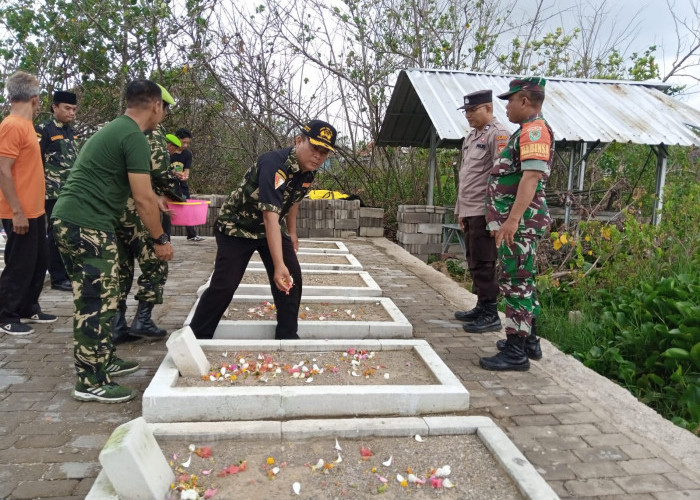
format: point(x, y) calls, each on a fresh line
point(58, 152)
point(261, 214)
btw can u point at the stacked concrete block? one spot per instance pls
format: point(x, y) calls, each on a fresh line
point(420, 229)
point(371, 222)
point(316, 218)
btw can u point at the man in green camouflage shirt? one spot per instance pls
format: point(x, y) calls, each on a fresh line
point(261, 215)
point(57, 141)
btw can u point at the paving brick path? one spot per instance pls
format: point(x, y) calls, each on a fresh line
point(588, 438)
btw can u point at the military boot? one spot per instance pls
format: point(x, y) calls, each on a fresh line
point(512, 357)
point(120, 330)
point(143, 325)
point(471, 314)
point(487, 321)
point(532, 344)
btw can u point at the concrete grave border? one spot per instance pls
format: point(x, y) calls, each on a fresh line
point(352, 265)
point(340, 247)
point(371, 289)
point(398, 327)
point(526, 478)
point(163, 401)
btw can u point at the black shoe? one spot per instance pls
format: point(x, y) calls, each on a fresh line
point(471, 314)
point(484, 323)
point(143, 325)
point(120, 330)
point(64, 285)
point(532, 347)
point(512, 358)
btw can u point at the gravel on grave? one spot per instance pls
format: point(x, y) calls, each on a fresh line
point(265, 469)
point(310, 279)
point(315, 258)
point(310, 311)
point(287, 368)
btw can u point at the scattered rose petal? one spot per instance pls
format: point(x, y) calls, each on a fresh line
point(210, 493)
point(337, 445)
point(187, 463)
point(340, 459)
point(310, 379)
point(206, 472)
point(382, 479)
point(386, 376)
point(387, 463)
point(204, 452)
point(365, 452)
point(318, 465)
point(275, 470)
point(446, 483)
point(296, 487)
point(418, 438)
point(355, 374)
point(400, 478)
point(436, 482)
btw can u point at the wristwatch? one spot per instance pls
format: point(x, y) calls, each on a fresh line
point(162, 239)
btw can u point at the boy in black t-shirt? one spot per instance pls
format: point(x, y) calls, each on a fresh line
point(182, 162)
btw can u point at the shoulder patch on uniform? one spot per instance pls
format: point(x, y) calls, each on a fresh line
point(501, 137)
point(280, 179)
point(56, 137)
point(535, 141)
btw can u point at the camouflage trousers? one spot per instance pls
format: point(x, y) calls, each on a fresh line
point(134, 243)
point(517, 284)
point(90, 257)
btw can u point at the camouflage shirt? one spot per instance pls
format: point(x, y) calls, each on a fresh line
point(531, 147)
point(163, 178)
point(58, 152)
point(273, 184)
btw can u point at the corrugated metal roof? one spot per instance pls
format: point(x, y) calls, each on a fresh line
point(577, 110)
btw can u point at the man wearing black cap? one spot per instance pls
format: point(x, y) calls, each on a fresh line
point(479, 150)
point(57, 143)
point(261, 214)
point(517, 217)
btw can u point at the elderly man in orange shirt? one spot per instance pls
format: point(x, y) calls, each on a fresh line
point(22, 192)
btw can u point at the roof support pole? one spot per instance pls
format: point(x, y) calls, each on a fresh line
point(569, 186)
point(432, 162)
point(661, 156)
point(582, 165)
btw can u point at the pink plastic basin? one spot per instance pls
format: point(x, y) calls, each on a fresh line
point(189, 213)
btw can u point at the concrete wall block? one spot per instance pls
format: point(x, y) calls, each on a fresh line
point(372, 232)
point(408, 228)
point(413, 218)
point(337, 233)
point(371, 222)
point(412, 239)
point(372, 212)
point(429, 228)
point(347, 223)
point(302, 232)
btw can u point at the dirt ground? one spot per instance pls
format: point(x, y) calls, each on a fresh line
point(310, 279)
point(316, 244)
point(316, 258)
point(281, 368)
point(308, 311)
point(270, 469)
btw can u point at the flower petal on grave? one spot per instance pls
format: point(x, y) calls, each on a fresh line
point(382, 479)
point(210, 493)
point(187, 462)
point(365, 452)
point(400, 478)
point(446, 483)
point(296, 488)
point(443, 471)
point(337, 445)
point(418, 438)
point(387, 463)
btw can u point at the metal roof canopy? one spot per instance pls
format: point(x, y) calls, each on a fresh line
point(423, 112)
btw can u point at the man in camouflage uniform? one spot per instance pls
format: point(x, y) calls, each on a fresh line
point(112, 164)
point(134, 243)
point(517, 216)
point(479, 150)
point(261, 215)
point(58, 150)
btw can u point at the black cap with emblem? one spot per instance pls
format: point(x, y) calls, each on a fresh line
point(476, 99)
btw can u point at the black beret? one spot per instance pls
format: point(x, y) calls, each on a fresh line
point(68, 97)
point(476, 99)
